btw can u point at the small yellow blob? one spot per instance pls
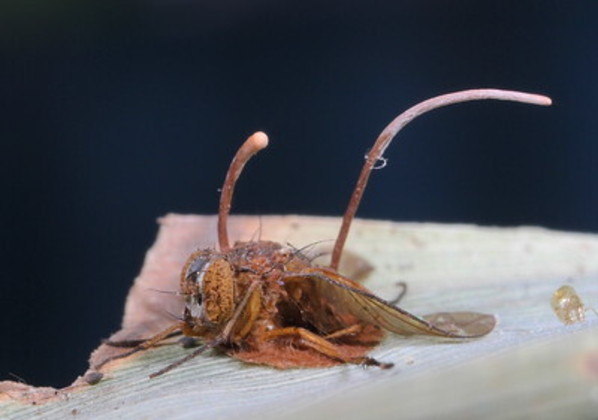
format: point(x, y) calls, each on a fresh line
point(567, 305)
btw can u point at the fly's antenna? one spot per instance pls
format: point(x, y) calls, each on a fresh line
point(375, 154)
point(252, 145)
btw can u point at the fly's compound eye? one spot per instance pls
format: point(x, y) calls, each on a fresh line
point(218, 291)
point(192, 276)
point(193, 281)
point(208, 283)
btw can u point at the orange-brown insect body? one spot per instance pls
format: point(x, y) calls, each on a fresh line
point(266, 303)
point(215, 283)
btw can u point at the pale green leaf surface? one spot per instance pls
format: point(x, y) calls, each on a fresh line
point(531, 366)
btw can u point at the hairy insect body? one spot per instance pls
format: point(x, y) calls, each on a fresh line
point(245, 301)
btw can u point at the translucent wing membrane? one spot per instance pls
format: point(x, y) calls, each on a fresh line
point(369, 308)
point(462, 324)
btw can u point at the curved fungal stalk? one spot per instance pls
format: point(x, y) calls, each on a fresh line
point(391, 130)
point(250, 147)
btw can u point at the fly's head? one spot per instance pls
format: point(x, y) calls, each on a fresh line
point(208, 284)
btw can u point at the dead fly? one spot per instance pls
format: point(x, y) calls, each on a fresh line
point(567, 305)
point(264, 302)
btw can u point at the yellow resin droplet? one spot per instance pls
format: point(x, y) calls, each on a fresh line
point(567, 305)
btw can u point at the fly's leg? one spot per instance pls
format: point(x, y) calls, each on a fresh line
point(190, 356)
point(124, 344)
point(401, 294)
point(137, 342)
point(322, 345)
point(353, 329)
point(151, 342)
point(223, 337)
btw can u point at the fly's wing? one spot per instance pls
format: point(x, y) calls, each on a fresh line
point(357, 300)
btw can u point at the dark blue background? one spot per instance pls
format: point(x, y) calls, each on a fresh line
point(114, 113)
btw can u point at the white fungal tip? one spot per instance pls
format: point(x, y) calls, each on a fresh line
point(259, 140)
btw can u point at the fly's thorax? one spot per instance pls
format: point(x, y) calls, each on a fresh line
point(265, 257)
point(208, 283)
